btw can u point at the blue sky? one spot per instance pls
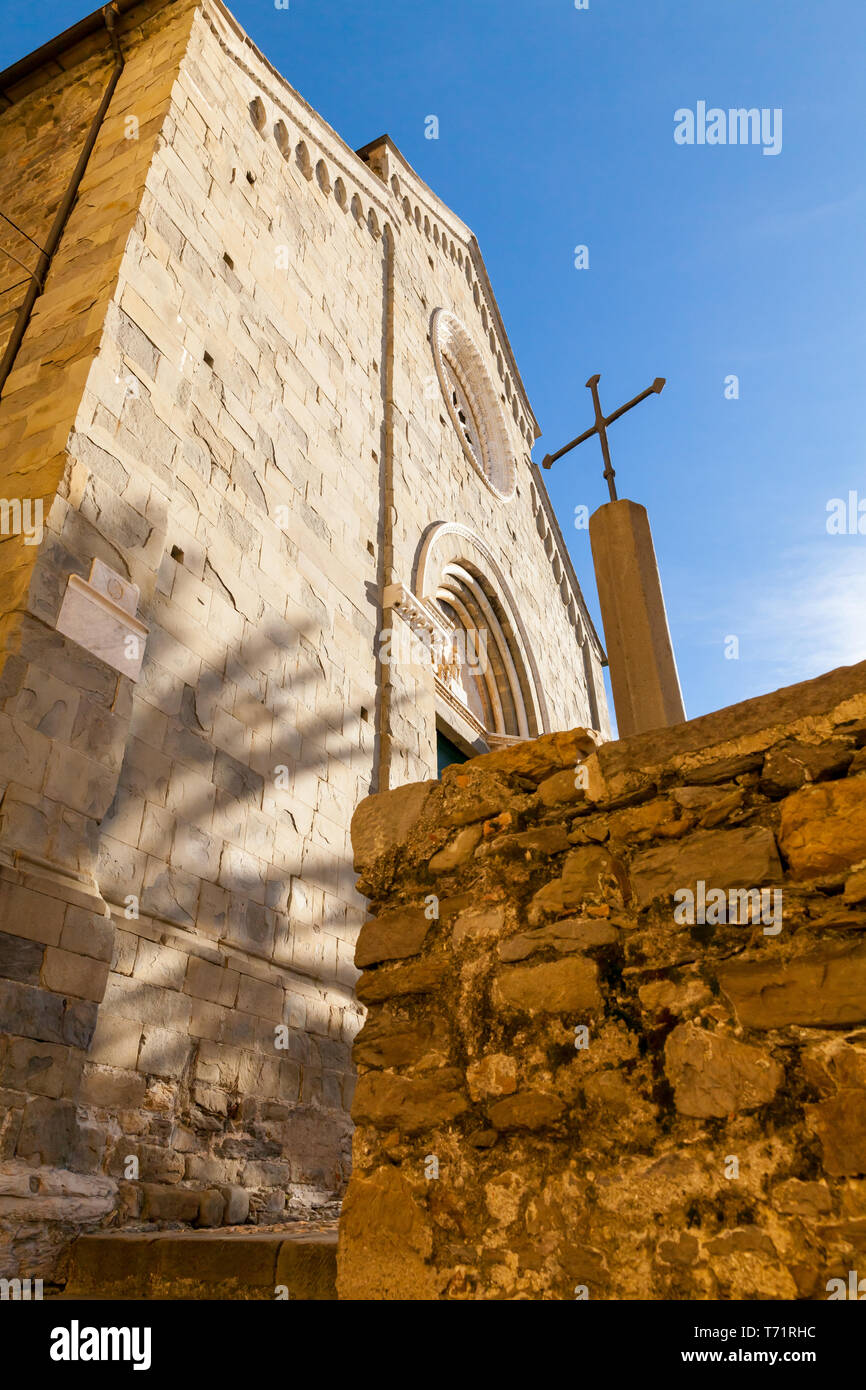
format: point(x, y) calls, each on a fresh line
point(556, 129)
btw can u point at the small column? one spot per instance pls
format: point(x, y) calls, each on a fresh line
point(643, 672)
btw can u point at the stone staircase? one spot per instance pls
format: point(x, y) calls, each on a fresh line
point(297, 1261)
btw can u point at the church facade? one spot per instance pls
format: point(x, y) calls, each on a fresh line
point(287, 546)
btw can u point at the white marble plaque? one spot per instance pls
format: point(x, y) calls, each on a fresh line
point(99, 614)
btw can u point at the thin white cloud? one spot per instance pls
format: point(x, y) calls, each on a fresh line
point(809, 616)
point(793, 221)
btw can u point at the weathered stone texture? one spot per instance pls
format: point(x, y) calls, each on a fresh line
point(621, 1096)
point(228, 347)
point(823, 828)
point(715, 1075)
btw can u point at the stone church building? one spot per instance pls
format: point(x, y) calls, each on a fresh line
point(271, 539)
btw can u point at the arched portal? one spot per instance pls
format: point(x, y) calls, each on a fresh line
point(488, 666)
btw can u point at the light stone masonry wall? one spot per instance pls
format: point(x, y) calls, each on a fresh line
point(242, 430)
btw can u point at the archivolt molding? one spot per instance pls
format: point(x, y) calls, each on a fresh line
point(451, 555)
point(454, 349)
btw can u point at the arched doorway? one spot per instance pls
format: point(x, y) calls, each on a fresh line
point(487, 686)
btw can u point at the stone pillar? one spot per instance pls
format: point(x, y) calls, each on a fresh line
point(643, 672)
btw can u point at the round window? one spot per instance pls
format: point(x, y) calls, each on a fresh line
point(472, 403)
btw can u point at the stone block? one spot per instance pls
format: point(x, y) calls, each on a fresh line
point(409, 1104)
point(528, 1110)
point(99, 614)
point(25, 753)
point(834, 1064)
point(112, 1089)
point(115, 1041)
point(260, 998)
point(68, 973)
point(160, 965)
point(163, 1052)
point(802, 1198)
point(245, 1030)
point(840, 1124)
point(821, 989)
point(391, 936)
point(561, 788)
point(386, 1041)
point(156, 1164)
point(89, 1148)
point(742, 858)
point(567, 986)
point(546, 839)
point(565, 935)
point(822, 829)
point(74, 780)
point(87, 934)
point(714, 1075)
point(79, 1022)
point(212, 982)
point(124, 952)
point(36, 1068)
point(789, 766)
point(250, 925)
point(48, 1132)
point(474, 925)
point(218, 1065)
point(215, 1102)
point(264, 1174)
point(383, 823)
point(855, 887)
point(386, 1239)
point(31, 915)
point(20, 959)
point(258, 1075)
point(237, 1205)
point(211, 1208)
point(143, 1003)
point(307, 1267)
point(290, 1081)
point(32, 1013)
point(195, 851)
point(535, 759)
point(169, 1203)
point(170, 893)
point(206, 1020)
point(419, 977)
point(457, 852)
point(590, 874)
point(494, 1075)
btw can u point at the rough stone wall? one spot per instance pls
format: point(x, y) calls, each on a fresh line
point(39, 149)
point(41, 135)
point(567, 1088)
point(64, 715)
point(209, 398)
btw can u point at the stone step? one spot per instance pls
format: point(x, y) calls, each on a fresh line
point(228, 1264)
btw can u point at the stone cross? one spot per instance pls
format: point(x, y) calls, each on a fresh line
point(643, 671)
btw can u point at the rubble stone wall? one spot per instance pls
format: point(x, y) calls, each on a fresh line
point(584, 1073)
